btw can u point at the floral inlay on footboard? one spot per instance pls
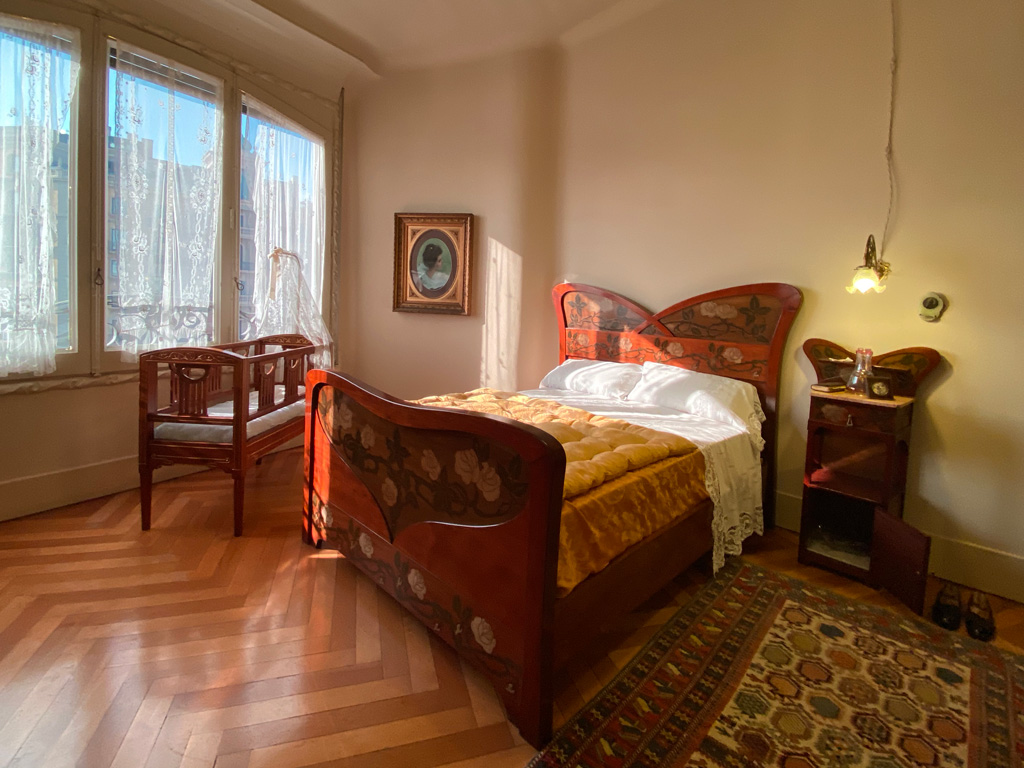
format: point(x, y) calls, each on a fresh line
point(422, 475)
point(429, 599)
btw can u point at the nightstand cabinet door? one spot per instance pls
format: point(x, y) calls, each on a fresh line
point(899, 560)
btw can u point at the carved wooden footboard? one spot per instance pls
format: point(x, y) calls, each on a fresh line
point(456, 515)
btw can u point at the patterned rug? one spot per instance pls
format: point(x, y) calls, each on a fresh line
point(762, 670)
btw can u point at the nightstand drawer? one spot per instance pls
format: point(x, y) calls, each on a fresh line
point(859, 415)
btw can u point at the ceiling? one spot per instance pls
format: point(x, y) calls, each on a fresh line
point(391, 35)
point(324, 45)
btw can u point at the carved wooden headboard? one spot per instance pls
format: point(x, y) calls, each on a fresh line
point(736, 332)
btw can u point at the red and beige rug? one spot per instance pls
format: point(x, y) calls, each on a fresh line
point(761, 670)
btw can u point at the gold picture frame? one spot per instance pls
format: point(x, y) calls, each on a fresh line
point(433, 256)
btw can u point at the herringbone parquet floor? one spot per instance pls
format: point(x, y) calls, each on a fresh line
point(186, 647)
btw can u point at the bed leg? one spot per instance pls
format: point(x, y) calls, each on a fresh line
point(239, 500)
point(534, 724)
point(146, 494)
point(535, 709)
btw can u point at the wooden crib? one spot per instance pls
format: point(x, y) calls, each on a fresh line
point(229, 405)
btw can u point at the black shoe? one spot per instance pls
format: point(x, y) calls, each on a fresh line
point(946, 609)
point(981, 624)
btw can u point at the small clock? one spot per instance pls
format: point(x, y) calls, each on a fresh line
point(879, 387)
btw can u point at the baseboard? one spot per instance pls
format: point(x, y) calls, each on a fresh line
point(48, 490)
point(787, 511)
point(38, 493)
point(978, 567)
point(962, 562)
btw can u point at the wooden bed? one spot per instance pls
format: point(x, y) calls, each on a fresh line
point(479, 570)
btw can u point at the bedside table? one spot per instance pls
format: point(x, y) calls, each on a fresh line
point(855, 476)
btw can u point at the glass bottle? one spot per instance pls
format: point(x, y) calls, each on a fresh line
point(861, 370)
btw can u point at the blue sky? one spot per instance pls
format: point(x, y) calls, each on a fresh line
point(190, 115)
point(11, 52)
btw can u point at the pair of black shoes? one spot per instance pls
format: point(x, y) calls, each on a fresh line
point(948, 610)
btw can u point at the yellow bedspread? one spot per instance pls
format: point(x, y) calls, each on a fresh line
point(622, 482)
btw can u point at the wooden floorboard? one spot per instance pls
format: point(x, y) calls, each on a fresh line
point(184, 646)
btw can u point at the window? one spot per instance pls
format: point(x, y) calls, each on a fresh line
point(40, 65)
point(164, 165)
point(282, 199)
point(124, 224)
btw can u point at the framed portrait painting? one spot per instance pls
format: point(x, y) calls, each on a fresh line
point(433, 252)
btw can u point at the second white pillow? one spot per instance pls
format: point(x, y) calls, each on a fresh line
point(703, 394)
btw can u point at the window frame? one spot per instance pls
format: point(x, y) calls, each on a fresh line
point(87, 270)
point(105, 360)
point(75, 361)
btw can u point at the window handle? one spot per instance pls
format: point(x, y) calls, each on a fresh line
point(97, 279)
point(239, 285)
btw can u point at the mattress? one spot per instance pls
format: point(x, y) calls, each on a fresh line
point(731, 475)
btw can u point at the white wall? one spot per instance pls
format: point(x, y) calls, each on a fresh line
point(702, 145)
point(475, 138)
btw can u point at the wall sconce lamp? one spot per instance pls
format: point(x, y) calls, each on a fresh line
point(872, 274)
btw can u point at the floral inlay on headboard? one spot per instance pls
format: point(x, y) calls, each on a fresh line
point(728, 332)
point(704, 356)
point(750, 319)
point(599, 313)
point(423, 475)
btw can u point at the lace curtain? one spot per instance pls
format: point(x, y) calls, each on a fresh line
point(283, 211)
point(38, 76)
point(287, 306)
point(164, 157)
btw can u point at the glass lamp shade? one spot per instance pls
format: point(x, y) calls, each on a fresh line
point(864, 280)
point(872, 274)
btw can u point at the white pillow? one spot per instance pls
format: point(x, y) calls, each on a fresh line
point(594, 377)
point(703, 394)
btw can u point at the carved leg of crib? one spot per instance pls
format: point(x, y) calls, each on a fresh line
point(239, 500)
point(146, 494)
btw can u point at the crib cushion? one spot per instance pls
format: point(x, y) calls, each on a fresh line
point(218, 433)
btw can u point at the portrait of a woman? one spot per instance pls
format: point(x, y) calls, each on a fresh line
point(432, 271)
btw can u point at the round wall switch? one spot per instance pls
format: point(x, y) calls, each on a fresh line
point(932, 307)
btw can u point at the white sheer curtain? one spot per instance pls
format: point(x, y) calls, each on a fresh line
point(287, 306)
point(165, 159)
point(284, 183)
point(38, 75)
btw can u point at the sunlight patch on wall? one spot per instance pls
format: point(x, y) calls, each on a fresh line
point(503, 302)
